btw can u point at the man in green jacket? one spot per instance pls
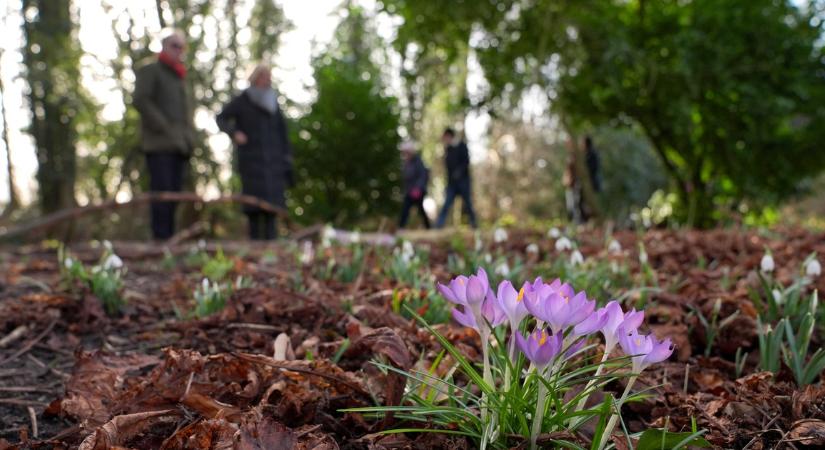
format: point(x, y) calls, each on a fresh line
point(167, 130)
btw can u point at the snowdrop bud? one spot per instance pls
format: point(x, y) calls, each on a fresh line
point(813, 268)
point(777, 296)
point(407, 250)
point(614, 247)
point(503, 269)
point(563, 244)
point(205, 284)
point(355, 237)
point(500, 235)
point(576, 258)
point(307, 253)
point(554, 233)
point(488, 258)
point(113, 262)
point(642, 256)
point(68, 262)
point(107, 245)
point(533, 249)
point(201, 244)
point(327, 236)
point(767, 265)
point(478, 244)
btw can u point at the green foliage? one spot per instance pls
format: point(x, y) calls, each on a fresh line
point(104, 280)
point(210, 298)
point(713, 326)
point(217, 267)
point(346, 157)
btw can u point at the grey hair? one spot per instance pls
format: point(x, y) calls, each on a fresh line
point(174, 33)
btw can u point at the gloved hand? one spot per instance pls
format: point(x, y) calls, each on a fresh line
point(415, 193)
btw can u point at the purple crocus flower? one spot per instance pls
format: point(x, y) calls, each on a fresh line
point(563, 308)
point(472, 310)
point(466, 290)
point(540, 347)
point(617, 319)
point(512, 302)
point(644, 349)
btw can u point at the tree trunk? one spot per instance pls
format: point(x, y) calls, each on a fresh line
point(14, 197)
point(52, 58)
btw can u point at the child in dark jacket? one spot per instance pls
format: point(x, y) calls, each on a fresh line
point(415, 176)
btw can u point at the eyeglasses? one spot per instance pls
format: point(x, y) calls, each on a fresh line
point(176, 45)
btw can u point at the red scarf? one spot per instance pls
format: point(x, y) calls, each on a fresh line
point(177, 66)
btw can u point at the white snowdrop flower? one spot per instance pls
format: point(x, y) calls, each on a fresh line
point(642, 256)
point(813, 268)
point(407, 251)
point(499, 235)
point(777, 296)
point(327, 236)
point(767, 264)
point(307, 253)
point(553, 233)
point(113, 262)
point(202, 244)
point(205, 285)
point(614, 248)
point(107, 245)
point(563, 244)
point(488, 258)
point(355, 237)
point(478, 243)
point(533, 249)
point(576, 258)
point(68, 262)
point(503, 269)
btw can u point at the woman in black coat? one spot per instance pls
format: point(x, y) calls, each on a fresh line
point(257, 127)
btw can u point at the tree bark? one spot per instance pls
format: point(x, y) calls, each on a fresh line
point(14, 197)
point(52, 58)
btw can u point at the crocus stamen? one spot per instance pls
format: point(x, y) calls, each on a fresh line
point(520, 295)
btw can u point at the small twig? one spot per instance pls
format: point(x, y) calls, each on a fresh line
point(687, 373)
point(43, 365)
point(13, 336)
point(33, 418)
point(254, 326)
point(20, 402)
point(25, 389)
point(31, 343)
point(188, 384)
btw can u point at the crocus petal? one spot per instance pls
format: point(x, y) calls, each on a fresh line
point(591, 324)
point(448, 293)
point(492, 311)
point(465, 318)
point(476, 290)
point(573, 349)
point(633, 319)
point(660, 352)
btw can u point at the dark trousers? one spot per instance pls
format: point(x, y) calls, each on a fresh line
point(409, 202)
point(165, 175)
point(261, 226)
point(460, 189)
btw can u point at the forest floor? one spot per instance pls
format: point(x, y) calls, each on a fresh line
point(293, 345)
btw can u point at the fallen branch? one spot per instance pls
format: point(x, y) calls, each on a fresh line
point(31, 343)
point(71, 214)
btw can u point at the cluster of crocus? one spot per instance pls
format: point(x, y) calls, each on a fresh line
point(564, 319)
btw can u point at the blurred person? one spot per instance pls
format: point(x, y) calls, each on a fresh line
point(572, 187)
point(457, 162)
point(258, 129)
point(415, 178)
point(167, 128)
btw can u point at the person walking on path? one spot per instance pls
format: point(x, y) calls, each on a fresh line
point(167, 129)
point(415, 177)
point(457, 161)
point(258, 129)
